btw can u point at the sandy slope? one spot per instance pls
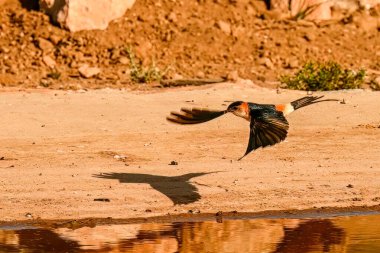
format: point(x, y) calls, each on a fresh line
point(59, 149)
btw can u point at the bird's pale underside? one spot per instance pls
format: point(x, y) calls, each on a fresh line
point(268, 124)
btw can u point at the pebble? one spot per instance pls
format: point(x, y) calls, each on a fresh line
point(124, 60)
point(233, 76)
point(309, 36)
point(293, 64)
point(224, 26)
point(29, 215)
point(102, 200)
point(120, 157)
point(200, 74)
point(266, 62)
point(172, 17)
point(88, 72)
point(45, 45)
point(173, 163)
point(48, 61)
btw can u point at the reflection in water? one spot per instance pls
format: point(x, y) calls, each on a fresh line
point(344, 234)
point(311, 236)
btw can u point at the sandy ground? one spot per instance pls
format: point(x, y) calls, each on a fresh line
point(59, 150)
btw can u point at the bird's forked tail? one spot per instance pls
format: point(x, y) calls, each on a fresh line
point(305, 101)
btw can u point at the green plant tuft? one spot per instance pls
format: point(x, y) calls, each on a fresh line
point(374, 85)
point(141, 74)
point(305, 12)
point(323, 76)
point(54, 75)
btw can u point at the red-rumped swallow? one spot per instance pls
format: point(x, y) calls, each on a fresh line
point(267, 122)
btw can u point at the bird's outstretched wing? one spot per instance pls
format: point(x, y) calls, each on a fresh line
point(268, 127)
point(194, 115)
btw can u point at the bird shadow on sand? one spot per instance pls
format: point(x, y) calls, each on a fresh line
point(178, 189)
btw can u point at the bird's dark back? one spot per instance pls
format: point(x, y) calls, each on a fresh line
point(254, 106)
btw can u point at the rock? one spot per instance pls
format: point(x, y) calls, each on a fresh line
point(173, 163)
point(279, 5)
point(48, 61)
point(309, 36)
point(102, 199)
point(88, 72)
point(224, 26)
point(55, 39)
point(310, 9)
point(13, 69)
point(124, 60)
point(45, 83)
point(45, 45)
point(4, 50)
point(293, 63)
point(172, 17)
point(233, 76)
point(177, 76)
point(29, 215)
point(318, 9)
point(266, 62)
point(76, 15)
point(120, 157)
point(200, 74)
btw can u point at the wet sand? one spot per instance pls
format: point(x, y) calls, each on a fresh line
point(61, 150)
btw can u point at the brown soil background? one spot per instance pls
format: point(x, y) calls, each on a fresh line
point(60, 152)
point(184, 37)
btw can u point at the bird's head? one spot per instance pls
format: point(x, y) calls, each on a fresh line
point(240, 109)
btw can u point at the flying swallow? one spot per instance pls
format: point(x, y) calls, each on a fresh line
point(268, 124)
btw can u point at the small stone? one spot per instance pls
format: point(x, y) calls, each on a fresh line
point(293, 64)
point(173, 163)
point(29, 215)
point(172, 17)
point(120, 157)
point(377, 79)
point(224, 26)
point(45, 82)
point(233, 76)
point(102, 200)
point(48, 61)
point(4, 50)
point(219, 217)
point(45, 45)
point(177, 76)
point(88, 72)
point(13, 69)
point(55, 39)
point(124, 60)
point(350, 186)
point(200, 74)
point(309, 36)
point(266, 62)
point(74, 86)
